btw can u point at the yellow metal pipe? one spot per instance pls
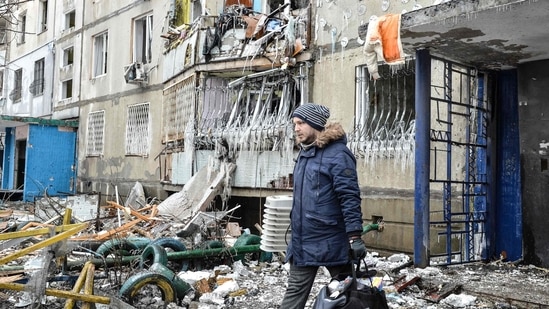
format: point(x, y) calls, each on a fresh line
point(69, 304)
point(61, 293)
point(67, 216)
point(36, 232)
point(47, 242)
point(88, 287)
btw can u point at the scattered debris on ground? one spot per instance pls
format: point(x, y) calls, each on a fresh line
point(136, 255)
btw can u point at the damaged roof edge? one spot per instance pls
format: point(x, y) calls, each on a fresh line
point(451, 9)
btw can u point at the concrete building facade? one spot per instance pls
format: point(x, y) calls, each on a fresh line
point(162, 89)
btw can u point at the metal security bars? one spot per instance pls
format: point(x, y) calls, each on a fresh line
point(95, 138)
point(458, 176)
point(178, 108)
point(384, 116)
point(138, 139)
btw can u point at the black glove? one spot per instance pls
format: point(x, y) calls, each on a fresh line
point(358, 249)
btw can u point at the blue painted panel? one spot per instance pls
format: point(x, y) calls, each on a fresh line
point(508, 208)
point(482, 200)
point(51, 162)
point(8, 161)
point(422, 158)
point(258, 6)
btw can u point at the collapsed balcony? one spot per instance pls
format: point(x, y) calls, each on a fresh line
point(239, 33)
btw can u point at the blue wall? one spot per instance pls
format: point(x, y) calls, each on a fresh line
point(50, 163)
point(508, 207)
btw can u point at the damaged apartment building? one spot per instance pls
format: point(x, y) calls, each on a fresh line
point(99, 95)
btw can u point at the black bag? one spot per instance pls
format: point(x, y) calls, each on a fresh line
point(352, 296)
point(368, 297)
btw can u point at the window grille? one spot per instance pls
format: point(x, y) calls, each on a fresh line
point(96, 137)
point(138, 130)
point(384, 115)
point(178, 108)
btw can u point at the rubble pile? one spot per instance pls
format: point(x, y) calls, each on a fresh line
point(131, 257)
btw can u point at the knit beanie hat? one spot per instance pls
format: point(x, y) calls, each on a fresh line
point(313, 114)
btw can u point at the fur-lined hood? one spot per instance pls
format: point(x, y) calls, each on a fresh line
point(332, 132)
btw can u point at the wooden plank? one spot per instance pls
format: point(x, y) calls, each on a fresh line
point(132, 211)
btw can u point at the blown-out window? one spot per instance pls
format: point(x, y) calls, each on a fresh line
point(70, 18)
point(68, 56)
point(37, 85)
point(66, 89)
point(100, 47)
point(15, 94)
point(143, 28)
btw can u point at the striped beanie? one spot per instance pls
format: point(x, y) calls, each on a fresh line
point(313, 114)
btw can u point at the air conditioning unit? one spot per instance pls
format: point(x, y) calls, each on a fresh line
point(135, 73)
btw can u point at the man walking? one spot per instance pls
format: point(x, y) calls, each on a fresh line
point(326, 218)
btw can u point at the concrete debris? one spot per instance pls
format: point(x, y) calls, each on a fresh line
point(139, 259)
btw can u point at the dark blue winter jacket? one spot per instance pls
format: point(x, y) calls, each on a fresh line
point(326, 202)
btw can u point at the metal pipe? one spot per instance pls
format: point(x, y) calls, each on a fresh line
point(60, 293)
point(372, 227)
point(172, 256)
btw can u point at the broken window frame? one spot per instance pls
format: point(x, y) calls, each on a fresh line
point(142, 39)
point(43, 16)
point(15, 94)
point(68, 56)
point(22, 28)
point(138, 130)
point(70, 20)
point(95, 134)
point(37, 85)
point(100, 53)
point(66, 89)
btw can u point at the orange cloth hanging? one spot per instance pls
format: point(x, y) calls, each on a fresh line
point(383, 42)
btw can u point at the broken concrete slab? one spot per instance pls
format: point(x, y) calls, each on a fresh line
point(198, 192)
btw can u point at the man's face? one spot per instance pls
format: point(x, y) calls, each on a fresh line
point(304, 133)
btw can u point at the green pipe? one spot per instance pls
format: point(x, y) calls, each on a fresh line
point(182, 255)
point(155, 253)
point(200, 253)
point(129, 244)
point(370, 227)
point(182, 288)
